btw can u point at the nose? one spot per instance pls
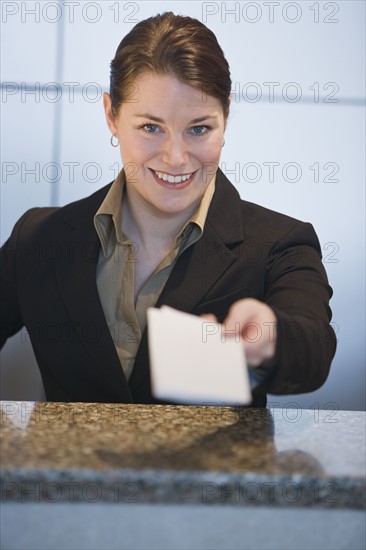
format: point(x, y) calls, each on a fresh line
point(175, 152)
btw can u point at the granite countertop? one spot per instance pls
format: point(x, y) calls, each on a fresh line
point(89, 452)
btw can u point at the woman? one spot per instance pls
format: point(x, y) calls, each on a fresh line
point(170, 229)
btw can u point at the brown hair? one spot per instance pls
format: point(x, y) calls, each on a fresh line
point(173, 44)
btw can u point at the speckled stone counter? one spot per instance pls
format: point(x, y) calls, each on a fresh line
point(80, 452)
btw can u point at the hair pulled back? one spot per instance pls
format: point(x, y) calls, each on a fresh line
point(171, 44)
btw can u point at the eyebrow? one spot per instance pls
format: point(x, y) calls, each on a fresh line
point(157, 119)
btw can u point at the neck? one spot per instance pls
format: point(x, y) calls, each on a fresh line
point(145, 225)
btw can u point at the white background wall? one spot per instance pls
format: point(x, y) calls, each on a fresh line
point(298, 72)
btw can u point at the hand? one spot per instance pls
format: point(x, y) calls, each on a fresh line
point(255, 323)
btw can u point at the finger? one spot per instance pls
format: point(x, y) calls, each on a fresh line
point(257, 352)
point(240, 313)
point(209, 317)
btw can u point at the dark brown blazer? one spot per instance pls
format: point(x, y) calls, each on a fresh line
point(48, 285)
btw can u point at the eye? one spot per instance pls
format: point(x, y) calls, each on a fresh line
point(200, 130)
point(150, 128)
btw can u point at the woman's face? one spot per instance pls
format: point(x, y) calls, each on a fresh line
point(171, 137)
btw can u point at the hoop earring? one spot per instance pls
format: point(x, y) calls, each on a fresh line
point(111, 140)
point(223, 143)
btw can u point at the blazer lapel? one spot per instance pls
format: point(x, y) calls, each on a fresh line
point(200, 266)
point(76, 276)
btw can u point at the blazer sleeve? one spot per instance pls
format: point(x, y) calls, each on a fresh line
point(297, 290)
point(10, 312)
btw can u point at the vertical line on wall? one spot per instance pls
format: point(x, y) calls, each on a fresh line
point(57, 127)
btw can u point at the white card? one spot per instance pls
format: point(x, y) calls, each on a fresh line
point(192, 362)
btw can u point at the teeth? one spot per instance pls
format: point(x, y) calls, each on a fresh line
point(172, 179)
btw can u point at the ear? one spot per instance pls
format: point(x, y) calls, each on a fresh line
point(110, 118)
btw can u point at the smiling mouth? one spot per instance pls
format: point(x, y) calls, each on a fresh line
point(178, 181)
point(172, 179)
